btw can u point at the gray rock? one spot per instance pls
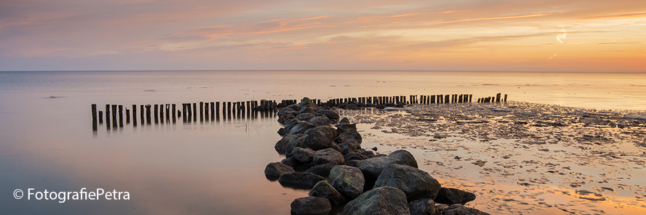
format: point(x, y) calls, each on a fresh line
point(305, 116)
point(301, 127)
point(329, 132)
point(328, 155)
point(368, 154)
point(282, 143)
point(321, 169)
point(330, 114)
point(292, 162)
point(306, 110)
point(372, 167)
point(275, 170)
point(285, 117)
point(295, 140)
point(379, 201)
point(320, 120)
point(458, 209)
point(422, 207)
point(342, 137)
point(414, 182)
point(351, 163)
point(345, 120)
point(299, 180)
point(306, 102)
point(454, 196)
point(350, 146)
point(325, 190)
point(303, 154)
point(311, 205)
point(336, 147)
point(354, 156)
point(317, 140)
point(347, 180)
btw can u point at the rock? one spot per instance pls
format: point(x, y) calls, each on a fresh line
point(346, 128)
point(303, 154)
point(321, 169)
point(292, 162)
point(330, 114)
point(336, 147)
point(325, 190)
point(372, 167)
point(454, 196)
point(354, 156)
point(414, 182)
point(305, 116)
point(329, 132)
point(347, 180)
point(352, 163)
point(350, 146)
point(295, 140)
point(380, 107)
point(320, 120)
point(306, 110)
point(422, 207)
point(368, 154)
point(299, 180)
point(374, 148)
point(342, 137)
point(458, 209)
point(311, 205)
point(379, 201)
point(306, 102)
point(275, 170)
point(285, 117)
point(289, 124)
point(345, 120)
point(328, 155)
point(282, 143)
point(317, 140)
point(301, 127)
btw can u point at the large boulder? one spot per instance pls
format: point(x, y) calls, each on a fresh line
point(454, 196)
point(414, 182)
point(320, 120)
point(311, 205)
point(303, 154)
point(282, 143)
point(350, 146)
point(317, 139)
point(325, 190)
point(322, 169)
point(342, 137)
point(372, 167)
point(379, 201)
point(301, 127)
point(306, 110)
point(275, 170)
point(422, 207)
point(299, 180)
point(285, 117)
point(330, 114)
point(458, 209)
point(347, 180)
point(305, 116)
point(329, 132)
point(354, 156)
point(295, 140)
point(328, 156)
point(306, 102)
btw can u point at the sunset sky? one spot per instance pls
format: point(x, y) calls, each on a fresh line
point(462, 35)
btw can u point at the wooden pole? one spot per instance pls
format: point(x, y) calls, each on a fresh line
point(134, 115)
point(127, 116)
point(161, 113)
point(156, 115)
point(201, 111)
point(212, 111)
point(101, 117)
point(148, 116)
point(498, 98)
point(107, 116)
point(114, 116)
point(505, 98)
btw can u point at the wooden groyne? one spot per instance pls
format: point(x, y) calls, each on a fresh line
point(210, 111)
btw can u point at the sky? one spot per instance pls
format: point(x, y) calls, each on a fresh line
point(457, 35)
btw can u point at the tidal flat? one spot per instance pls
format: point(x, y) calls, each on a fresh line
point(519, 157)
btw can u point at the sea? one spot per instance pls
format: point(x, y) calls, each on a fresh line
point(47, 139)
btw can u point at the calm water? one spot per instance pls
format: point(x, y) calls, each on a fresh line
point(213, 167)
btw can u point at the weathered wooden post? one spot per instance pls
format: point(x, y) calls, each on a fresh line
point(161, 113)
point(505, 98)
point(228, 110)
point(114, 116)
point(206, 111)
point(94, 112)
point(101, 117)
point(127, 116)
point(141, 113)
point(134, 115)
point(217, 111)
point(173, 110)
point(498, 98)
point(156, 114)
point(212, 111)
point(470, 95)
point(148, 116)
point(201, 111)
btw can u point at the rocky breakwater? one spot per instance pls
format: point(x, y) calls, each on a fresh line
point(344, 178)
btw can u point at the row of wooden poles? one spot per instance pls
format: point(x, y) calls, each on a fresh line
point(168, 113)
point(210, 111)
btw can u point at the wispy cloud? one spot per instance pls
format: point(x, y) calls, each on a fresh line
point(615, 16)
point(494, 18)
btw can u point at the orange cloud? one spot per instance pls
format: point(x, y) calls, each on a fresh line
point(494, 18)
point(403, 15)
point(449, 11)
point(616, 16)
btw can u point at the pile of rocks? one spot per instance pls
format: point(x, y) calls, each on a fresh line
point(340, 174)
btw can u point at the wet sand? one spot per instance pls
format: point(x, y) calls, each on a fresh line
point(522, 158)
